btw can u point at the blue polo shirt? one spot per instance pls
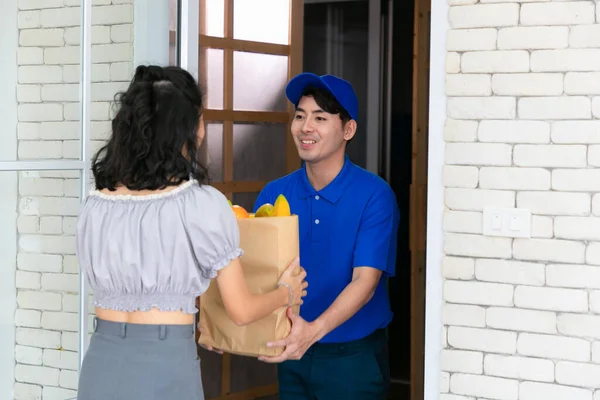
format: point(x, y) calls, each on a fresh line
point(352, 222)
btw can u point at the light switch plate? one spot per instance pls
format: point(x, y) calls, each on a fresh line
point(507, 222)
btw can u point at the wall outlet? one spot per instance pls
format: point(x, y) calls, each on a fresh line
point(507, 222)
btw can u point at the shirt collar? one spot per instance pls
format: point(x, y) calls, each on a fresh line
point(333, 191)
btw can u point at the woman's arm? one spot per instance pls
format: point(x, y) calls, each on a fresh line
point(244, 307)
point(215, 234)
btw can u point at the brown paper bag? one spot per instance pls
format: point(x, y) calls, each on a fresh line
point(269, 245)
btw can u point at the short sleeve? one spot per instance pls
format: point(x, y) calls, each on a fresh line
point(377, 235)
point(213, 231)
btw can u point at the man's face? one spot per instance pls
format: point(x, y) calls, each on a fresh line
point(318, 135)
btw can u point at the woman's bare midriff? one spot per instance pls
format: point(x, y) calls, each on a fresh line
point(153, 316)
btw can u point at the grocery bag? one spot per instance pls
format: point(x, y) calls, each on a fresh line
point(269, 245)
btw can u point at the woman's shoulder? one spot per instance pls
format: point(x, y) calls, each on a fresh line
point(210, 206)
point(209, 211)
point(209, 195)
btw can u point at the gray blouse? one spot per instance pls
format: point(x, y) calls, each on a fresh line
point(159, 250)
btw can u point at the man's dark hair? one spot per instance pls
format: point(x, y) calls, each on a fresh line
point(154, 140)
point(327, 102)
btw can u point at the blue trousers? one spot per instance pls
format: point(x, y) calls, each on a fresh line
point(355, 370)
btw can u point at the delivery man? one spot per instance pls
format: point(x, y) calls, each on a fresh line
point(348, 221)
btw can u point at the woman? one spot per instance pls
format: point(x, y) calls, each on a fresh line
point(150, 238)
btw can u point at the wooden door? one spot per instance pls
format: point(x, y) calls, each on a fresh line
point(418, 192)
point(248, 52)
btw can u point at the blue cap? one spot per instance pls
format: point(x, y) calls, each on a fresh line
point(340, 89)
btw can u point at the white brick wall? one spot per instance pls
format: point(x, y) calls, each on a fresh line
point(48, 94)
point(521, 316)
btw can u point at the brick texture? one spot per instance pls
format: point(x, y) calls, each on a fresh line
point(48, 95)
point(521, 316)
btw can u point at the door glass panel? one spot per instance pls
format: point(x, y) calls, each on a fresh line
point(215, 18)
point(259, 151)
point(262, 20)
point(336, 41)
point(259, 81)
point(212, 151)
point(214, 77)
point(39, 278)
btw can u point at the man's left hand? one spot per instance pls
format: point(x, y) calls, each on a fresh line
point(302, 335)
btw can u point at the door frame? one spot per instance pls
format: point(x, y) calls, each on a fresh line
point(418, 193)
point(427, 188)
point(427, 197)
point(435, 201)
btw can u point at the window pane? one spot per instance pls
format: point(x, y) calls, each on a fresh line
point(44, 48)
point(214, 77)
point(212, 151)
point(259, 81)
point(39, 278)
point(215, 17)
point(262, 20)
point(259, 151)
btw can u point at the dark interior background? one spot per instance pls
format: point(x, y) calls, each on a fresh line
point(400, 179)
point(336, 43)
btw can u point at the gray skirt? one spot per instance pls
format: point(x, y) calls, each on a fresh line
point(133, 361)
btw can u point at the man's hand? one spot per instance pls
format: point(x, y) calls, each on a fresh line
point(209, 348)
point(301, 337)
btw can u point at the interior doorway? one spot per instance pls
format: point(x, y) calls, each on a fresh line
point(382, 47)
point(338, 36)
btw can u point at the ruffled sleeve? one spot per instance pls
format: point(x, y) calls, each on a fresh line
point(212, 230)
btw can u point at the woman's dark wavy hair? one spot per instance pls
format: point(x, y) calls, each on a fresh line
point(154, 141)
